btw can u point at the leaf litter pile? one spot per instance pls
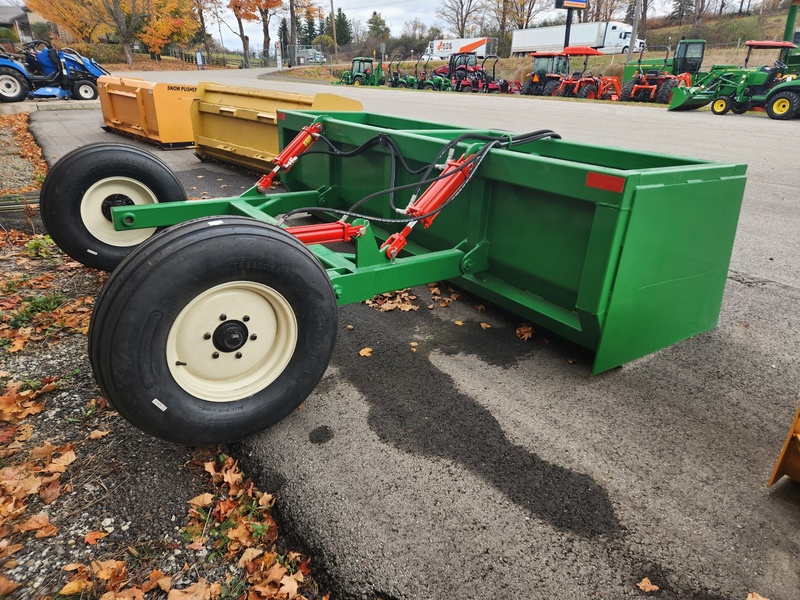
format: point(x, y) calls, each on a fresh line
point(91, 507)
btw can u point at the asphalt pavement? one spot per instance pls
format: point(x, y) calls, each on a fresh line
point(481, 466)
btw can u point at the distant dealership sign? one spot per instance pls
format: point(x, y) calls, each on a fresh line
point(580, 4)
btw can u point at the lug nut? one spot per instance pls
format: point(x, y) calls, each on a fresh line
point(206, 336)
point(223, 317)
point(254, 337)
point(215, 355)
point(245, 318)
point(238, 355)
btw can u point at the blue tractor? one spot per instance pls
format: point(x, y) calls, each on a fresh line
point(38, 70)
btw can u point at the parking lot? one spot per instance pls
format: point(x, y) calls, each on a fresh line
point(483, 466)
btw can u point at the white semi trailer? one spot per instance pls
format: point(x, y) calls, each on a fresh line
point(609, 37)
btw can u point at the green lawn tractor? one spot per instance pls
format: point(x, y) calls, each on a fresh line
point(430, 80)
point(396, 79)
point(363, 72)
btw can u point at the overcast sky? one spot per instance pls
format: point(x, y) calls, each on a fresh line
point(395, 12)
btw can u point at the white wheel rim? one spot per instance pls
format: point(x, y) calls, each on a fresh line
point(85, 92)
point(253, 315)
point(9, 86)
point(96, 199)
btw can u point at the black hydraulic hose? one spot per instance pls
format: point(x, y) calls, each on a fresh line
point(494, 141)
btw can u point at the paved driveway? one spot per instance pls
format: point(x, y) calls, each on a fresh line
point(484, 467)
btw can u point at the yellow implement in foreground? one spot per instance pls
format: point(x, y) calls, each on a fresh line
point(789, 460)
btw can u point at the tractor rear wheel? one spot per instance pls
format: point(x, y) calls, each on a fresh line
point(783, 105)
point(721, 105)
point(427, 86)
point(213, 331)
point(550, 88)
point(13, 86)
point(82, 187)
point(627, 90)
point(664, 92)
point(527, 89)
point(359, 80)
point(588, 91)
point(84, 90)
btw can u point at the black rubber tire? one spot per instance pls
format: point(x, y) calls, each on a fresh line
point(359, 80)
point(427, 86)
point(739, 108)
point(146, 299)
point(67, 193)
point(84, 90)
point(721, 105)
point(13, 85)
point(527, 89)
point(588, 91)
point(664, 91)
point(627, 90)
point(775, 105)
point(550, 88)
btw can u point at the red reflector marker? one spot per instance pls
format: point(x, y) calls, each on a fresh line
point(610, 183)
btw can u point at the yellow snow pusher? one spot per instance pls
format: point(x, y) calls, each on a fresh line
point(789, 460)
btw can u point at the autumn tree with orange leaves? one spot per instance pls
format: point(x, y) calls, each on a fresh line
point(172, 22)
point(81, 18)
point(244, 10)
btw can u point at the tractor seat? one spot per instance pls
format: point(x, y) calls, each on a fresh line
point(577, 75)
point(652, 74)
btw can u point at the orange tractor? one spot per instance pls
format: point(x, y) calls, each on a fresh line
point(654, 85)
point(583, 84)
point(545, 76)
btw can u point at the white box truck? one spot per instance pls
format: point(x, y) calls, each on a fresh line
point(609, 37)
point(482, 46)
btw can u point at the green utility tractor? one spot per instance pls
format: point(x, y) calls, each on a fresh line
point(429, 80)
point(362, 72)
point(545, 76)
point(397, 80)
point(772, 88)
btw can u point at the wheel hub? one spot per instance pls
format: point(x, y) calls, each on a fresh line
point(112, 201)
point(230, 336)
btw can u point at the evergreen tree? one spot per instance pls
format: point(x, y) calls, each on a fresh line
point(310, 29)
point(344, 29)
point(377, 27)
point(283, 35)
point(682, 10)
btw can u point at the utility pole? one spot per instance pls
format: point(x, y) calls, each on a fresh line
point(335, 45)
point(635, 27)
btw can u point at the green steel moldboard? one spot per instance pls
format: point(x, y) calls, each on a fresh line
point(623, 252)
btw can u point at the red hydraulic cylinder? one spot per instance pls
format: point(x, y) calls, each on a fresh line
point(326, 233)
point(288, 156)
point(432, 199)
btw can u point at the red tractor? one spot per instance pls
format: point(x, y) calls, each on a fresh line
point(582, 84)
point(545, 76)
point(491, 85)
point(464, 71)
point(654, 85)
